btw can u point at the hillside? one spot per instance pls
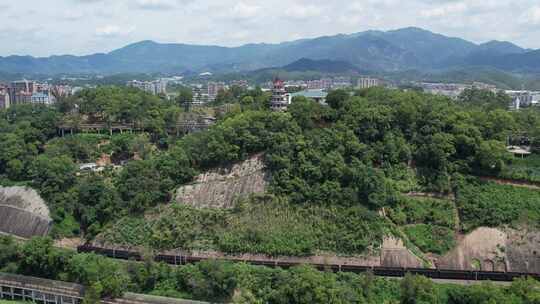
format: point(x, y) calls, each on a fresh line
point(408, 48)
point(322, 66)
point(375, 178)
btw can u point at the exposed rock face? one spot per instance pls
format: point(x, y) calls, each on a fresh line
point(395, 254)
point(492, 249)
point(23, 212)
point(523, 251)
point(220, 188)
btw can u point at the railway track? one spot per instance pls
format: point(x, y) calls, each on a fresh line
point(442, 274)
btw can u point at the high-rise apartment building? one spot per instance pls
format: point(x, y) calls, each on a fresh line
point(368, 82)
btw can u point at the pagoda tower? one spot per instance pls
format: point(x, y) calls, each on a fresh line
point(280, 97)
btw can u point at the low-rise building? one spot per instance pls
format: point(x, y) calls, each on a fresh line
point(317, 95)
point(43, 98)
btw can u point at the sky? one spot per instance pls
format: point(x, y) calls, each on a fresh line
point(79, 27)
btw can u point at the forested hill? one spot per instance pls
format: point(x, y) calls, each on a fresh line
point(359, 152)
point(340, 178)
point(397, 50)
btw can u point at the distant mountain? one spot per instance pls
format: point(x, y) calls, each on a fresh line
point(501, 47)
point(398, 50)
point(322, 66)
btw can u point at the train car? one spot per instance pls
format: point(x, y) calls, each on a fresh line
point(379, 271)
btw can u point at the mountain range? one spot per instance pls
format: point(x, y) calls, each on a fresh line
point(397, 50)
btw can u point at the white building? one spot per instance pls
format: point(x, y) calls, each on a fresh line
point(368, 82)
point(44, 98)
point(4, 100)
point(153, 87)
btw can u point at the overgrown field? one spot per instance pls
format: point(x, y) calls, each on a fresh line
point(527, 169)
point(264, 225)
point(494, 205)
point(428, 222)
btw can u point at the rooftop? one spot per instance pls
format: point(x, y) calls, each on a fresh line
point(316, 94)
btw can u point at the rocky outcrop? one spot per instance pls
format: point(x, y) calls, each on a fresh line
point(395, 254)
point(220, 188)
point(23, 212)
point(493, 249)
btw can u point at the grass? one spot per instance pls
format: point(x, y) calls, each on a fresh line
point(11, 302)
point(264, 225)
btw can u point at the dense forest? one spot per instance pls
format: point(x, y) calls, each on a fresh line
point(333, 169)
point(241, 283)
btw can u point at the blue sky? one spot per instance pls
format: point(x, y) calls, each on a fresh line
point(46, 27)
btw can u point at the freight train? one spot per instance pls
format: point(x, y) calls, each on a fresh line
point(462, 275)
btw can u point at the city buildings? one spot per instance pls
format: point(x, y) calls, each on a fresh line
point(31, 92)
point(523, 99)
point(368, 82)
point(316, 84)
point(200, 95)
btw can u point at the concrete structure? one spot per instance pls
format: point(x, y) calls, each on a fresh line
point(520, 152)
point(23, 213)
point(280, 99)
point(16, 287)
point(37, 290)
point(368, 82)
point(491, 249)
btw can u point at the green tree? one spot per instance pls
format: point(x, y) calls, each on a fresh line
point(40, 259)
point(52, 175)
point(104, 276)
point(337, 98)
point(492, 157)
point(418, 290)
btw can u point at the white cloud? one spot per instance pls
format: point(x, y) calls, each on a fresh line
point(86, 23)
point(244, 11)
point(445, 10)
point(155, 4)
point(533, 15)
point(303, 11)
point(114, 30)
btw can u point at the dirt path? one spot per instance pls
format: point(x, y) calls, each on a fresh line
point(516, 183)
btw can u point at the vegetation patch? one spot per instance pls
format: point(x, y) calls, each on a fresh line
point(267, 226)
point(418, 210)
point(494, 205)
point(431, 238)
point(527, 169)
point(226, 282)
